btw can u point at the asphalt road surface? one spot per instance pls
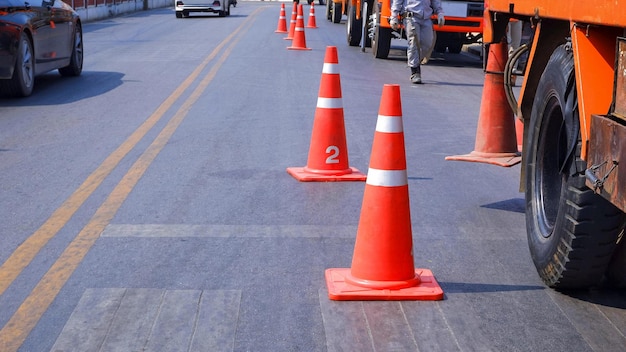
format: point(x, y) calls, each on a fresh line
point(146, 205)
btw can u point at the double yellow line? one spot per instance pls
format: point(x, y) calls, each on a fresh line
point(22, 322)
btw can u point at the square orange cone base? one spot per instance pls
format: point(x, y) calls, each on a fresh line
point(300, 174)
point(339, 290)
point(505, 161)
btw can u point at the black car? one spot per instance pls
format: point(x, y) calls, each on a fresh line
point(37, 36)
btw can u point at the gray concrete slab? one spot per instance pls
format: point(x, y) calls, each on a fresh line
point(151, 320)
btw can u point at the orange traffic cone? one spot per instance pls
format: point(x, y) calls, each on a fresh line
point(382, 263)
point(311, 23)
point(496, 142)
point(282, 21)
point(292, 22)
point(328, 151)
point(299, 41)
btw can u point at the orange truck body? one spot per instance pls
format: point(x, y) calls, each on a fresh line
point(463, 25)
point(594, 27)
point(595, 48)
point(572, 103)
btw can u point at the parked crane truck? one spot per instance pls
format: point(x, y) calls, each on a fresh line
point(573, 106)
point(369, 20)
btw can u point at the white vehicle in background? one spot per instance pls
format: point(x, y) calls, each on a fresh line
point(221, 7)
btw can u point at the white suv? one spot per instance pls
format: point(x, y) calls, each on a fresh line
point(221, 7)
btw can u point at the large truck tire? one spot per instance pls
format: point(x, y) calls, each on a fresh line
point(455, 46)
point(336, 12)
point(366, 13)
point(329, 11)
point(572, 232)
point(353, 26)
point(616, 273)
point(449, 41)
point(381, 43)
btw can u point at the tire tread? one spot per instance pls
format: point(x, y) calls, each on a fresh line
point(587, 225)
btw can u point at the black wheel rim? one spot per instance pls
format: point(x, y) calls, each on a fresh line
point(26, 65)
point(551, 153)
point(78, 49)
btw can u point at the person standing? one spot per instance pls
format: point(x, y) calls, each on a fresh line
point(416, 15)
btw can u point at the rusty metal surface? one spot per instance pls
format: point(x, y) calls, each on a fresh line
point(605, 149)
point(619, 93)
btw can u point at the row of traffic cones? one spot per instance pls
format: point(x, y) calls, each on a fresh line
point(382, 263)
point(499, 136)
point(296, 28)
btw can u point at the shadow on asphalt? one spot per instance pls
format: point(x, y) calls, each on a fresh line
point(51, 88)
point(516, 205)
point(461, 287)
point(604, 296)
point(463, 59)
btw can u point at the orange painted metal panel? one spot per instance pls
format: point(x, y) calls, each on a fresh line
point(594, 58)
point(593, 12)
point(473, 24)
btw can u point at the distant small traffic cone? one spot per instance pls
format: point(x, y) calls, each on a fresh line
point(292, 23)
point(311, 23)
point(328, 151)
point(382, 263)
point(299, 40)
point(496, 142)
point(282, 21)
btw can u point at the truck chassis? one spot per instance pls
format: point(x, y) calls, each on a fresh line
point(368, 25)
point(573, 111)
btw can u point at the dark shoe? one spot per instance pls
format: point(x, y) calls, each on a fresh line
point(416, 76)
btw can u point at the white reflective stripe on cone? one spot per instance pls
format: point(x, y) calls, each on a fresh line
point(329, 103)
point(386, 178)
point(389, 124)
point(329, 68)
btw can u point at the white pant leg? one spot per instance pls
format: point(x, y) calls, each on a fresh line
point(412, 35)
point(426, 37)
point(419, 33)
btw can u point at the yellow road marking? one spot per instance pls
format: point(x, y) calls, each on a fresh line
point(16, 330)
point(24, 254)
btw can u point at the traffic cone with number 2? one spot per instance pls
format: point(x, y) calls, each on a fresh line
point(382, 263)
point(328, 151)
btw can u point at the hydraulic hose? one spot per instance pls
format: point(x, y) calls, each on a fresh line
point(508, 71)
